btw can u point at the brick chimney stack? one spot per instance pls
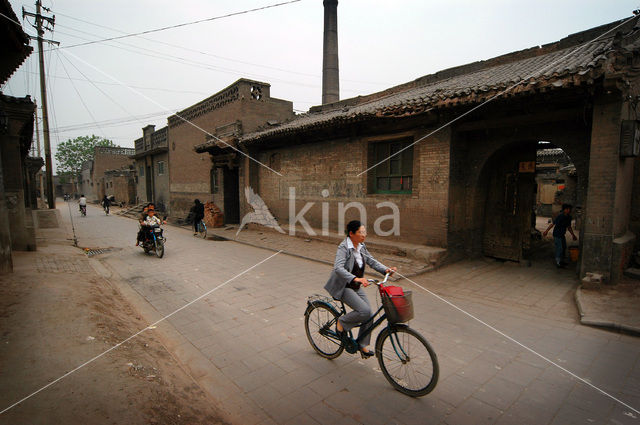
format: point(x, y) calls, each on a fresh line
point(330, 72)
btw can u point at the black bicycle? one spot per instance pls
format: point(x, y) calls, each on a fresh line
point(405, 357)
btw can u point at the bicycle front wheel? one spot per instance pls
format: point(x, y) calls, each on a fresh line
point(407, 360)
point(319, 319)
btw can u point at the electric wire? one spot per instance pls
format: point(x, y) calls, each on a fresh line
point(183, 24)
point(207, 66)
point(186, 48)
point(106, 83)
point(104, 93)
point(177, 114)
point(80, 97)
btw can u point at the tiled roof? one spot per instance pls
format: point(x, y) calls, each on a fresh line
point(470, 84)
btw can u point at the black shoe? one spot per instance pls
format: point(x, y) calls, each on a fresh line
point(366, 355)
point(560, 265)
point(563, 263)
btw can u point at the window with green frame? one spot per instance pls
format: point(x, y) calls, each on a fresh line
point(395, 173)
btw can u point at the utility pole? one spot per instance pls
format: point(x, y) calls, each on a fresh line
point(40, 175)
point(51, 200)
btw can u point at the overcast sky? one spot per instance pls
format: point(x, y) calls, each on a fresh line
point(113, 89)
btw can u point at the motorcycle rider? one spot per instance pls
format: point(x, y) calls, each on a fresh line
point(82, 203)
point(149, 222)
point(141, 220)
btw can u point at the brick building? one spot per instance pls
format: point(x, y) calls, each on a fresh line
point(556, 180)
point(92, 176)
point(16, 136)
point(85, 181)
point(151, 163)
point(121, 185)
point(174, 174)
point(469, 186)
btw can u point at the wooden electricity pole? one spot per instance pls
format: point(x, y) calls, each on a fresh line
point(40, 19)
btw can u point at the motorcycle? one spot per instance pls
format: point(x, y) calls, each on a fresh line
point(153, 240)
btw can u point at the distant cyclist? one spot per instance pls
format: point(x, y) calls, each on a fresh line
point(82, 203)
point(106, 203)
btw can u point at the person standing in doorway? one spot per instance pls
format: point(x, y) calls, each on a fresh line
point(562, 223)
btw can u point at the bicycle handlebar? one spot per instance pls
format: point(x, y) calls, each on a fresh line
point(377, 282)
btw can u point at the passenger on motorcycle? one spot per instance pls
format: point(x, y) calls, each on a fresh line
point(149, 221)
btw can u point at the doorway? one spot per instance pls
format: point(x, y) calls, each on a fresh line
point(510, 191)
point(231, 192)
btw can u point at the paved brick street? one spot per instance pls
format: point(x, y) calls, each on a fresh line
point(245, 343)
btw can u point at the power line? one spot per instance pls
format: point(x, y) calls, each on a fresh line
point(106, 83)
point(203, 52)
point(183, 24)
point(111, 122)
point(79, 96)
point(203, 65)
point(102, 91)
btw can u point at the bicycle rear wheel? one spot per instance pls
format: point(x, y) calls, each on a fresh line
point(407, 361)
point(318, 319)
point(202, 230)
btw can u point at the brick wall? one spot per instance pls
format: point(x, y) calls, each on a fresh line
point(104, 159)
point(609, 204)
point(471, 164)
point(189, 172)
point(334, 166)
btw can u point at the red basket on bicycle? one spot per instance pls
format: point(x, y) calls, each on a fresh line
point(397, 304)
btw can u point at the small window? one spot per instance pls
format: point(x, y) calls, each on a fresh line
point(160, 168)
point(394, 174)
point(142, 171)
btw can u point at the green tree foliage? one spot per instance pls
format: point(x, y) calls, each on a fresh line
point(71, 154)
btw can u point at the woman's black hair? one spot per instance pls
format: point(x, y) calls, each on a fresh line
point(197, 201)
point(353, 226)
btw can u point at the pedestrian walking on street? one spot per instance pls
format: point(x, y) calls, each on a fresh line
point(197, 213)
point(106, 203)
point(562, 223)
point(347, 281)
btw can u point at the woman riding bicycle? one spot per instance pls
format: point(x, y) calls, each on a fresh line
point(347, 281)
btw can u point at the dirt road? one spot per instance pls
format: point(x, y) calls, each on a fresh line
point(56, 313)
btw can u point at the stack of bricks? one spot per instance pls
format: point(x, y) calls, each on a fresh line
point(213, 217)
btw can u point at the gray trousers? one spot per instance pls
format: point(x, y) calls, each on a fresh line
point(359, 302)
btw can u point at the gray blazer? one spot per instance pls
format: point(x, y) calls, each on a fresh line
point(342, 266)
